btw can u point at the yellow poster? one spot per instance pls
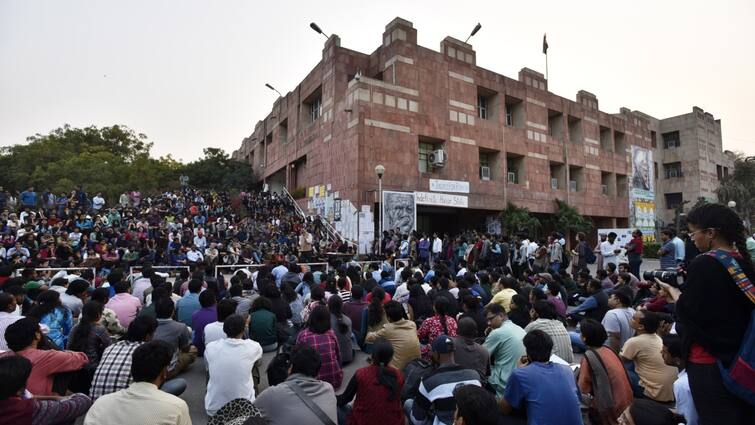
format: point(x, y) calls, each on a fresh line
point(322, 191)
point(310, 192)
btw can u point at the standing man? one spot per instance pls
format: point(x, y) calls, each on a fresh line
point(555, 253)
point(678, 248)
point(667, 252)
point(634, 252)
point(98, 202)
point(28, 198)
point(609, 249)
point(305, 246)
point(437, 248)
point(504, 343)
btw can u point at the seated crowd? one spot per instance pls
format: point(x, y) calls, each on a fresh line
point(471, 341)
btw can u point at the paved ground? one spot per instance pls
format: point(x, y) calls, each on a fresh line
point(195, 377)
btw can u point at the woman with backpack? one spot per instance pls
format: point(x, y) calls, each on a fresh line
point(377, 388)
point(713, 315)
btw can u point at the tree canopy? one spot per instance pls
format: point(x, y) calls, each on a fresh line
point(739, 187)
point(516, 219)
point(110, 160)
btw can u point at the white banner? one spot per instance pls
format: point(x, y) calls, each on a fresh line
point(455, 186)
point(441, 199)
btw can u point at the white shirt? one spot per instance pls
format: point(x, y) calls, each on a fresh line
point(437, 246)
point(683, 395)
point(213, 332)
point(6, 319)
point(194, 256)
point(607, 249)
point(230, 363)
point(98, 202)
point(140, 285)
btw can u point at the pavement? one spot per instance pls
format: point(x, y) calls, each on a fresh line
point(195, 376)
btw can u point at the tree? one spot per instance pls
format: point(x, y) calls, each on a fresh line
point(516, 219)
point(739, 187)
point(568, 220)
point(216, 169)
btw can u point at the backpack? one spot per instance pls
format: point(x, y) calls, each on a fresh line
point(413, 374)
point(739, 377)
point(566, 256)
point(277, 370)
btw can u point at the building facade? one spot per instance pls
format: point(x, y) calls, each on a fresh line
point(689, 161)
point(502, 139)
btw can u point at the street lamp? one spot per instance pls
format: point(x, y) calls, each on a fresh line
point(474, 31)
point(273, 89)
point(732, 204)
point(380, 170)
point(317, 29)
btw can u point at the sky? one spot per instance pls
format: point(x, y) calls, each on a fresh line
point(191, 74)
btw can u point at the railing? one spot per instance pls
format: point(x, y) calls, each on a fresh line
point(256, 266)
point(330, 231)
point(132, 275)
point(51, 269)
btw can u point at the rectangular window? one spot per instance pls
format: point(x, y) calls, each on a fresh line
point(671, 140)
point(514, 168)
point(673, 200)
point(482, 107)
point(653, 141)
point(514, 112)
point(283, 131)
point(487, 161)
point(315, 109)
point(720, 172)
point(672, 170)
point(422, 160)
point(576, 179)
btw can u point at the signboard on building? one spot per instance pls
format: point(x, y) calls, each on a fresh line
point(642, 193)
point(454, 186)
point(442, 199)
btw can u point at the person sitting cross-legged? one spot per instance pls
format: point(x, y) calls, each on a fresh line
point(230, 361)
point(282, 405)
point(142, 402)
point(545, 389)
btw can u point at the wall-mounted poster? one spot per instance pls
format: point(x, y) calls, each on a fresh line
point(399, 211)
point(642, 193)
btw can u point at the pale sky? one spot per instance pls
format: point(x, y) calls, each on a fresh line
point(190, 74)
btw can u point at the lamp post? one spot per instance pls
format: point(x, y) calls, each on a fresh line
point(273, 89)
point(474, 31)
point(317, 29)
point(380, 170)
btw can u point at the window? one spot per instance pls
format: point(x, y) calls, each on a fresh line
point(315, 109)
point(605, 139)
point(557, 175)
point(622, 185)
point(719, 172)
point(514, 112)
point(423, 164)
point(555, 124)
point(607, 183)
point(283, 131)
point(671, 140)
point(619, 146)
point(653, 141)
point(655, 170)
point(488, 161)
point(576, 179)
point(575, 129)
point(726, 172)
point(672, 170)
point(313, 105)
point(514, 168)
point(482, 107)
point(673, 200)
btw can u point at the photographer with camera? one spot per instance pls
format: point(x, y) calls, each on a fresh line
point(714, 311)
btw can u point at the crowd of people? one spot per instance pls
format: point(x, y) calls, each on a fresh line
point(475, 329)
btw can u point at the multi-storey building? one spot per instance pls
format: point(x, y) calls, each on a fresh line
point(689, 160)
point(503, 139)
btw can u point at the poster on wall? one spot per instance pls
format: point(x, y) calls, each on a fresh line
point(642, 193)
point(337, 210)
point(399, 211)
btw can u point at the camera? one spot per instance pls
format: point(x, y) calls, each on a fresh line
point(664, 275)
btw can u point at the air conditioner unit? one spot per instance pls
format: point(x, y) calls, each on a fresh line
point(437, 158)
point(511, 177)
point(572, 185)
point(485, 173)
point(604, 189)
point(554, 183)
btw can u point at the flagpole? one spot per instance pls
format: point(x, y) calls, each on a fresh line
point(546, 66)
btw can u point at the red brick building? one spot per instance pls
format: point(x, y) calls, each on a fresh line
point(510, 139)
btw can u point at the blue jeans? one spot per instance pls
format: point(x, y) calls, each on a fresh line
point(174, 386)
point(634, 380)
point(576, 342)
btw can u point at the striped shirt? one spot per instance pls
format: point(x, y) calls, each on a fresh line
point(556, 330)
point(114, 371)
point(436, 393)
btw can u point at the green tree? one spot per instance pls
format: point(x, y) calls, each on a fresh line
point(515, 219)
point(739, 187)
point(216, 169)
point(568, 220)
